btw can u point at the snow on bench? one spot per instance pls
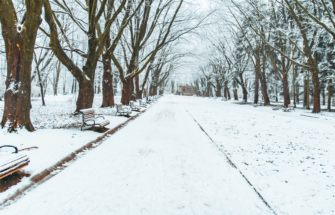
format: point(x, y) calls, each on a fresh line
point(90, 120)
point(289, 108)
point(122, 111)
point(277, 107)
point(134, 107)
point(11, 163)
point(143, 104)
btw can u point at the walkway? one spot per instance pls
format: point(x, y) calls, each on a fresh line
point(161, 163)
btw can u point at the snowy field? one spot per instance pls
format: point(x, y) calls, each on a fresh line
point(288, 157)
point(57, 133)
point(163, 163)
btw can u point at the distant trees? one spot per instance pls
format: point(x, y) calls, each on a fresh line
point(282, 41)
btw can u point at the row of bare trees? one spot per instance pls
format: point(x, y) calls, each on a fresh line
point(275, 41)
point(134, 36)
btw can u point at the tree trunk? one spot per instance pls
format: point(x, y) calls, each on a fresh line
point(228, 93)
point(41, 86)
point(286, 90)
point(57, 78)
point(329, 95)
point(264, 89)
point(276, 93)
point(125, 98)
point(154, 90)
point(137, 86)
point(305, 93)
point(19, 55)
point(297, 93)
point(107, 82)
point(85, 96)
point(218, 90)
point(208, 89)
point(316, 92)
point(323, 95)
point(235, 94)
point(245, 93)
point(256, 87)
point(225, 92)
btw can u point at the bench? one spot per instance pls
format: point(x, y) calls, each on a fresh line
point(10, 163)
point(277, 107)
point(90, 120)
point(134, 107)
point(243, 102)
point(224, 99)
point(143, 104)
point(289, 108)
point(122, 111)
point(148, 100)
point(258, 104)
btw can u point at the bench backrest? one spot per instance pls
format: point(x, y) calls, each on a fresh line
point(290, 106)
point(119, 107)
point(88, 114)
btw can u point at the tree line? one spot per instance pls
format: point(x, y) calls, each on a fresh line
point(273, 47)
point(135, 37)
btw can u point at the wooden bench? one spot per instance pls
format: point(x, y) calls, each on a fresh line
point(258, 104)
point(122, 111)
point(134, 107)
point(10, 163)
point(143, 104)
point(90, 120)
point(148, 100)
point(277, 107)
point(289, 108)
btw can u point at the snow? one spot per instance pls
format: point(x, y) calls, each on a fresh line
point(57, 134)
point(166, 166)
point(163, 163)
point(288, 157)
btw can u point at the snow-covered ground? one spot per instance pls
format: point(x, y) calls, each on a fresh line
point(288, 156)
point(163, 163)
point(57, 134)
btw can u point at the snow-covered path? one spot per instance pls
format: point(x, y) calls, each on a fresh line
point(161, 163)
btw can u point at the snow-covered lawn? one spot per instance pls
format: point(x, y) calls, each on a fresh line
point(57, 134)
point(162, 163)
point(288, 157)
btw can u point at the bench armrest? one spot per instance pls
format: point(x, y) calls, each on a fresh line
point(100, 117)
point(16, 150)
point(91, 120)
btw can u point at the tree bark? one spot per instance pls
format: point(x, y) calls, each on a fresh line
point(107, 82)
point(218, 89)
point(125, 97)
point(41, 86)
point(297, 93)
point(329, 96)
point(57, 78)
point(228, 93)
point(256, 87)
point(264, 89)
point(323, 95)
point(305, 93)
point(316, 92)
point(137, 86)
point(19, 47)
point(235, 94)
point(286, 90)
